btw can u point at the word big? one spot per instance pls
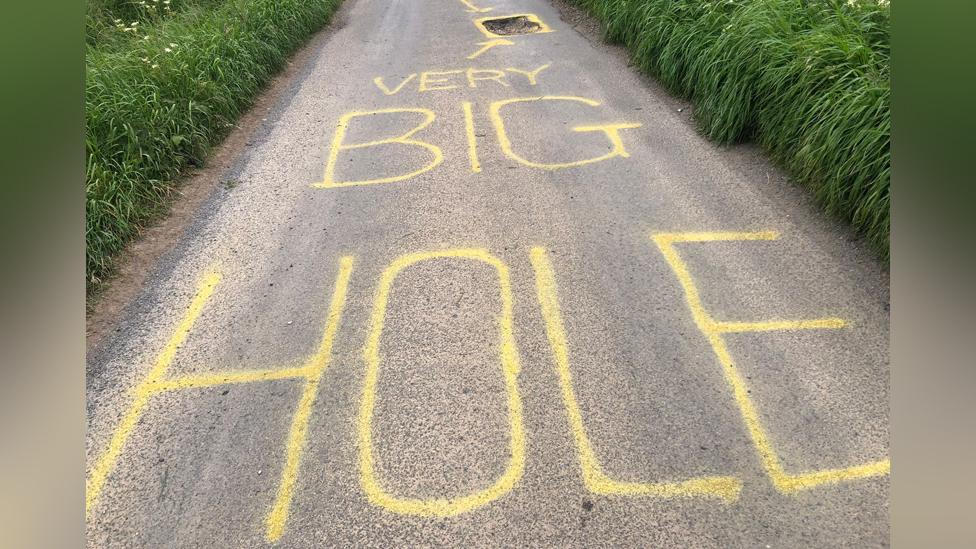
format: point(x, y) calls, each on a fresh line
point(407, 139)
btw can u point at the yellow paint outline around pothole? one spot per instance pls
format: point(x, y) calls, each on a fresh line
point(480, 23)
point(714, 331)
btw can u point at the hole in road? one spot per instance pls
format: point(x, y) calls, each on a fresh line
point(507, 26)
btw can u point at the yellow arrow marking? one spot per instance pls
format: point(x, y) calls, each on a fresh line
point(485, 46)
point(473, 8)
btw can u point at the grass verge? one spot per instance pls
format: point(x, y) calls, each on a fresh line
point(165, 80)
point(808, 79)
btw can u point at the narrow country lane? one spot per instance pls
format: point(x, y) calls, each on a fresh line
point(473, 288)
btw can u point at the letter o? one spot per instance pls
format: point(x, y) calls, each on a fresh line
point(510, 368)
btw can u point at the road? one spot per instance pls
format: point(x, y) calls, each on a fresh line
point(472, 290)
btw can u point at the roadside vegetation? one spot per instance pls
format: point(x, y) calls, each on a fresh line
point(165, 80)
point(808, 79)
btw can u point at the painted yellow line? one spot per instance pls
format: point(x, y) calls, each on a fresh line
point(387, 91)
point(510, 370)
point(780, 325)
point(719, 236)
point(530, 75)
point(612, 132)
point(488, 44)
point(156, 382)
point(435, 77)
point(804, 481)
point(713, 330)
point(726, 488)
point(213, 379)
point(472, 139)
point(473, 8)
point(106, 462)
point(482, 75)
point(339, 145)
point(316, 367)
point(605, 127)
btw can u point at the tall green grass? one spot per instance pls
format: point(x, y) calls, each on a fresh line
point(808, 79)
point(160, 96)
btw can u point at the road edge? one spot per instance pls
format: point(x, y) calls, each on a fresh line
point(142, 256)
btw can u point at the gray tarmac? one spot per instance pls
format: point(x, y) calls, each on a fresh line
point(202, 466)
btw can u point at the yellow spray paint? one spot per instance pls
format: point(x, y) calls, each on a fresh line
point(338, 145)
point(488, 44)
point(315, 368)
point(473, 8)
point(432, 80)
point(725, 488)
point(611, 131)
point(476, 75)
point(157, 382)
point(472, 139)
point(784, 482)
point(106, 462)
point(510, 369)
point(530, 75)
point(229, 377)
point(387, 91)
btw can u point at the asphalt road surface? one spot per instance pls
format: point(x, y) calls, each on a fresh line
point(478, 290)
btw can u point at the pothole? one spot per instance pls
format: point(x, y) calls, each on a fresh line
point(515, 24)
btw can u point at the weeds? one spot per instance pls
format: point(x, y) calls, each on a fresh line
point(807, 79)
point(161, 93)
